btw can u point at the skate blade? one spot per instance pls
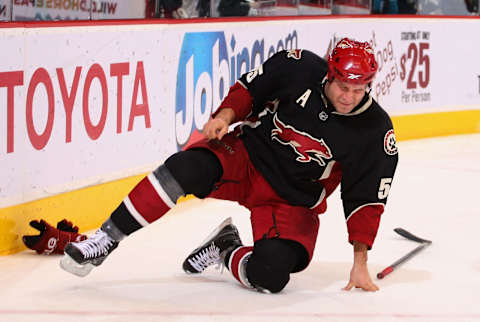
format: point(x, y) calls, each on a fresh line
point(71, 266)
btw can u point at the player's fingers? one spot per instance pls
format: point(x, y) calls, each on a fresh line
point(370, 287)
point(222, 132)
point(209, 132)
point(348, 287)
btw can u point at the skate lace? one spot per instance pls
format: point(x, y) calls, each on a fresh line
point(205, 258)
point(96, 245)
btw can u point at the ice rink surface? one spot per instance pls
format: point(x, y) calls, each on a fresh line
point(435, 195)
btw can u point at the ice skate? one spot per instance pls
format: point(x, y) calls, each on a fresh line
point(214, 248)
point(81, 257)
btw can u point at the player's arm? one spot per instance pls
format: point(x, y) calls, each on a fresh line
point(234, 108)
point(365, 188)
point(359, 274)
point(255, 88)
point(366, 184)
point(238, 104)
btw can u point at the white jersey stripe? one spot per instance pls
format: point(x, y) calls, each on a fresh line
point(328, 170)
point(322, 196)
point(368, 204)
point(161, 193)
point(135, 214)
point(242, 275)
point(242, 84)
point(231, 258)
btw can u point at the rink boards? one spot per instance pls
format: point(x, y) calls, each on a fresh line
point(86, 110)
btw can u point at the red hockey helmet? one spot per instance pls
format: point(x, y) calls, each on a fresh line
point(352, 62)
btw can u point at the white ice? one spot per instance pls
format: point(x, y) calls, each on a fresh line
point(434, 195)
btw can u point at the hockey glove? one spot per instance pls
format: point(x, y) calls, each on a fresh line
point(52, 240)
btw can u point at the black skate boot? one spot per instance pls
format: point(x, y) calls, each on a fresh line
point(214, 248)
point(81, 257)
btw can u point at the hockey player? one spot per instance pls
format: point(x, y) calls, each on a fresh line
point(308, 126)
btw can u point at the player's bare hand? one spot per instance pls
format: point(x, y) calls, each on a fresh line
point(360, 278)
point(215, 128)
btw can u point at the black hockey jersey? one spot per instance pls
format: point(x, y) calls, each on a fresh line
point(297, 140)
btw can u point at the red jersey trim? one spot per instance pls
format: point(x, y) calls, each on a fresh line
point(363, 222)
point(239, 100)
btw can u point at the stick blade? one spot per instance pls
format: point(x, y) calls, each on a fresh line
point(408, 235)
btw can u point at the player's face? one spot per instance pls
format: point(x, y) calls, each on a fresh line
point(344, 96)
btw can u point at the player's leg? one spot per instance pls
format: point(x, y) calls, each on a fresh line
point(235, 186)
point(193, 171)
point(266, 266)
point(284, 237)
point(271, 262)
point(284, 243)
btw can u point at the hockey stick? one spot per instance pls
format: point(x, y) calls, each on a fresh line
point(408, 235)
point(402, 232)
